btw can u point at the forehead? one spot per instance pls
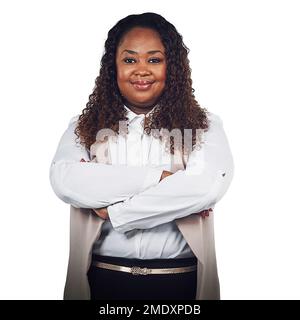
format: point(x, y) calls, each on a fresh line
point(141, 38)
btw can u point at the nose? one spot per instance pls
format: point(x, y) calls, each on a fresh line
point(142, 69)
point(142, 73)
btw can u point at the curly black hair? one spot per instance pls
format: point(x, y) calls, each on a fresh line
point(178, 107)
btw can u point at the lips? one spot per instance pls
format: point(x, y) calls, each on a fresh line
point(142, 84)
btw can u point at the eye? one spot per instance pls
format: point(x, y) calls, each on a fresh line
point(129, 60)
point(155, 60)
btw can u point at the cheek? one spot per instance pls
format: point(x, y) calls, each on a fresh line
point(163, 73)
point(123, 74)
point(120, 76)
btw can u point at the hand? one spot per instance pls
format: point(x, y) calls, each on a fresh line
point(102, 213)
point(205, 213)
point(165, 174)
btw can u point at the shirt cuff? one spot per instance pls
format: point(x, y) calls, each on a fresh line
point(114, 217)
point(117, 218)
point(152, 178)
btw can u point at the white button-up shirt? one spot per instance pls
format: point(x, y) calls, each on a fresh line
point(141, 209)
point(163, 240)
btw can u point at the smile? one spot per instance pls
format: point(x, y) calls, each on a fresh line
point(142, 85)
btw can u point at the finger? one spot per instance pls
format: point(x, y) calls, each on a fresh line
point(98, 213)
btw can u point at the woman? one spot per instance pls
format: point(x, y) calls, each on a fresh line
point(136, 231)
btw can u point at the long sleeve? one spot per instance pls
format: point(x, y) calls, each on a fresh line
point(201, 185)
point(94, 185)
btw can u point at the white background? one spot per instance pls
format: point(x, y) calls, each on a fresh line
point(245, 67)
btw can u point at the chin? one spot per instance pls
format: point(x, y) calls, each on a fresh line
point(144, 100)
point(144, 104)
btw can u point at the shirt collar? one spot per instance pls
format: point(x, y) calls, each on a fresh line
point(131, 115)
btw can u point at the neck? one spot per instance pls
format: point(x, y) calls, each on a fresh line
point(140, 109)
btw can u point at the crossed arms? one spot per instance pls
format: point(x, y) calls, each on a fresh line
point(142, 197)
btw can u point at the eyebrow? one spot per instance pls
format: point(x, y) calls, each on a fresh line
point(134, 52)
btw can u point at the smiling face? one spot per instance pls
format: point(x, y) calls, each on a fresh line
point(141, 68)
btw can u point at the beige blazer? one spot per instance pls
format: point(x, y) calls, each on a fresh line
point(85, 229)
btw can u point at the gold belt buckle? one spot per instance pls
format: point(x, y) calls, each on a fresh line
point(139, 270)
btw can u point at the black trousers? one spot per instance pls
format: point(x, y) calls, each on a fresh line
point(117, 285)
